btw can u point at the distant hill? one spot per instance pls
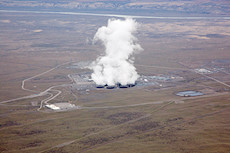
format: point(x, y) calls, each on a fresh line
point(150, 7)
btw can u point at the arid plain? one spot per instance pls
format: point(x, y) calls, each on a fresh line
point(40, 51)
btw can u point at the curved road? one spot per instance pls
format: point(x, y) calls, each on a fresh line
point(40, 93)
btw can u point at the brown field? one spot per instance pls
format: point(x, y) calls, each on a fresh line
point(119, 120)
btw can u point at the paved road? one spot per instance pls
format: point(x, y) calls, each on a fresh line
point(40, 74)
point(119, 16)
point(218, 81)
point(39, 93)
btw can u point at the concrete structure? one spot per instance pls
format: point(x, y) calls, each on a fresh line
point(100, 86)
point(131, 85)
point(123, 86)
point(61, 106)
point(52, 106)
point(110, 87)
point(205, 71)
point(115, 86)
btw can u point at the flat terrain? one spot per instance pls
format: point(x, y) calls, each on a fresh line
point(37, 57)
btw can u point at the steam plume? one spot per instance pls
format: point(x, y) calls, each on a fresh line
point(116, 66)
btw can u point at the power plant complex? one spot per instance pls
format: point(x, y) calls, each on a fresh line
point(118, 85)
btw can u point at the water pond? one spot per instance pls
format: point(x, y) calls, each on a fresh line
point(189, 93)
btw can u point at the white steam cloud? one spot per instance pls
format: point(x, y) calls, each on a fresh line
point(116, 66)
